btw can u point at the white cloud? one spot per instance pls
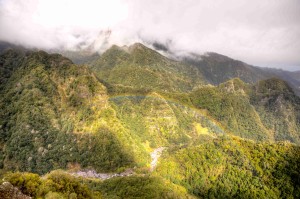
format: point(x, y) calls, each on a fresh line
point(58, 23)
point(258, 32)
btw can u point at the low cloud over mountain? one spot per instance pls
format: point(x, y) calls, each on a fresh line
point(260, 33)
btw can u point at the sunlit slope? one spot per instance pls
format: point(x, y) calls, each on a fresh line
point(229, 167)
point(159, 121)
point(279, 108)
point(59, 184)
point(268, 110)
point(55, 114)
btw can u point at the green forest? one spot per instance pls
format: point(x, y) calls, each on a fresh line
point(223, 136)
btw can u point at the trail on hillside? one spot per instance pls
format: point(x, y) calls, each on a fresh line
point(155, 155)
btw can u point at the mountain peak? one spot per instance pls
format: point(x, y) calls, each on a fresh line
point(234, 85)
point(129, 49)
point(217, 57)
point(138, 47)
point(274, 85)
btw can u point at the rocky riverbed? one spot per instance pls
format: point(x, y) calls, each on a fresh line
point(104, 176)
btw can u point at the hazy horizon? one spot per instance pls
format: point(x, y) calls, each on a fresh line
point(259, 33)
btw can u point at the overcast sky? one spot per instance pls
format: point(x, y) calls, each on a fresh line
point(259, 32)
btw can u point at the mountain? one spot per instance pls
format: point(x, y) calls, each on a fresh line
point(52, 112)
point(123, 70)
point(296, 75)
point(138, 67)
point(293, 78)
point(55, 114)
point(267, 110)
point(6, 45)
point(183, 75)
point(218, 68)
point(79, 56)
point(217, 135)
point(278, 107)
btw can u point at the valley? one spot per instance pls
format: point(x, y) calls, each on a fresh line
point(155, 155)
point(132, 123)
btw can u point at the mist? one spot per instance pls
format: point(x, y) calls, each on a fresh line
point(262, 33)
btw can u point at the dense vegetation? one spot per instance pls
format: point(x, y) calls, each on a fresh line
point(53, 113)
point(57, 185)
point(160, 122)
point(278, 108)
point(60, 185)
point(257, 111)
point(223, 167)
point(138, 67)
point(109, 116)
point(235, 104)
point(218, 68)
point(234, 168)
point(141, 187)
point(230, 105)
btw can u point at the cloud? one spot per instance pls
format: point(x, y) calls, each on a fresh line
point(58, 23)
point(258, 32)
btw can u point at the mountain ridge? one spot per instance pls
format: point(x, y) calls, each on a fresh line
point(234, 138)
point(210, 72)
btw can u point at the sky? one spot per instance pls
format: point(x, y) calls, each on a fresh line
point(259, 32)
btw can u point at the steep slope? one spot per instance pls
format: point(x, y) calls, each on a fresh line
point(55, 111)
point(55, 114)
point(268, 110)
point(229, 104)
point(293, 78)
point(279, 108)
point(9, 61)
point(6, 46)
point(295, 75)
point(79, 56)
point(138, 67)
point(156, 121)
point(218, 68)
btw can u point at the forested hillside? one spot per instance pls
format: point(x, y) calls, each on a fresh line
point(218, 68)
point(53, 112)
point(138, 67)
point(230, 167)
point(221, 137)
point(267, 110)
